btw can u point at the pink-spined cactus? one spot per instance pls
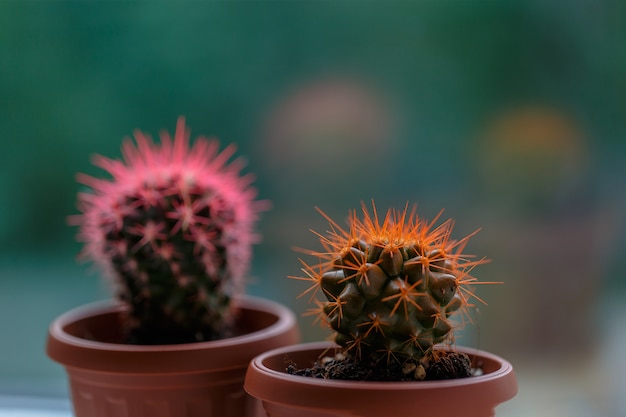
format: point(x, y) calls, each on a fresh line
point(173, 228)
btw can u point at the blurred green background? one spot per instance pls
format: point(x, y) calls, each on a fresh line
point(508, 114)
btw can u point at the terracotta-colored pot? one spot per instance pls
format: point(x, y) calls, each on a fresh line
point(285, 395)
point(111, 379)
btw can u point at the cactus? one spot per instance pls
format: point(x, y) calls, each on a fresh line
point(389, 288)
point(173, 228)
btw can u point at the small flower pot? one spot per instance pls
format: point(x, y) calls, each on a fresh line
point(285, 395)
point(111, 379)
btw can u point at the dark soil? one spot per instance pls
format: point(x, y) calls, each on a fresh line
point(442, 365)
point(169, 335)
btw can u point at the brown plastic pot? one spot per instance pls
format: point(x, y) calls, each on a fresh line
point(111, 379)
point(285, 395)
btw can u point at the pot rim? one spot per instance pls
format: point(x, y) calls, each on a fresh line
point(475, 396)
point(504, 369)
point(74, 351)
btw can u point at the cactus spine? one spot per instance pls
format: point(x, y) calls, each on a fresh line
point(389, 288)
point(173, 228)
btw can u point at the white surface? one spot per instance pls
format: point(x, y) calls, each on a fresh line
point(22, 406)
point(34, 413)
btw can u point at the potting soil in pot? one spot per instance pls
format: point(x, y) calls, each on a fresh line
point(440, 365)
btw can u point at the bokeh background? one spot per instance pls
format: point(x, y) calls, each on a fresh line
point(510, 115)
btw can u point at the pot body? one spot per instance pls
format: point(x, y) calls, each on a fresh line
point(285, 395)
point(111, 379)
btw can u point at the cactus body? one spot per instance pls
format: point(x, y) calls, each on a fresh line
point(173, 228)
point(389, 288)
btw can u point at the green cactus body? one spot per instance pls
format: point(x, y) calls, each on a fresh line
point(390, 288)
point(173, 229)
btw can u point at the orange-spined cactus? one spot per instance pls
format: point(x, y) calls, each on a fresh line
point(389, 285)
point(173, 228)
